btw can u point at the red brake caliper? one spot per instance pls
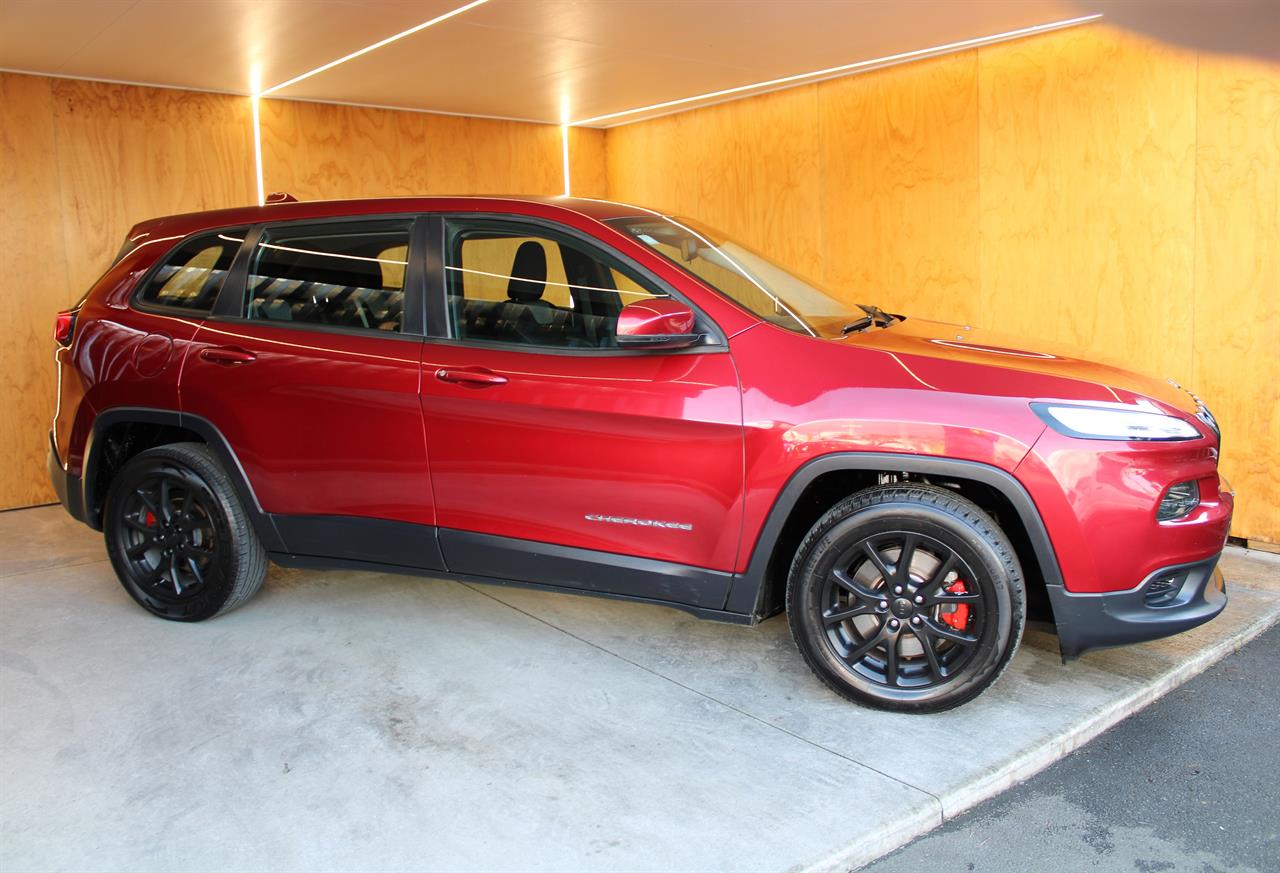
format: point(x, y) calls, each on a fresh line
point(151, 519)
point(955, 614)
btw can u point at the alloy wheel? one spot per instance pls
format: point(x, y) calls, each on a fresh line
point(167, 535)
point(903, 610)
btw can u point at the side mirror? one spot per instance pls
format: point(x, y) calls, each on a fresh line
point(656, 323)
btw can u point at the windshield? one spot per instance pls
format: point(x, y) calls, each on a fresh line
point(754, 282)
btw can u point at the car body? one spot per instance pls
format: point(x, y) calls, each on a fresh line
point(684, 474)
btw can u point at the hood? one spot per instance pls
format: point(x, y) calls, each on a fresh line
point(931, 343)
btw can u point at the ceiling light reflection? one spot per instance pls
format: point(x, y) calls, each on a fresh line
point(849, 68)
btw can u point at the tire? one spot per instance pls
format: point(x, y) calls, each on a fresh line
point(941, 640)
point(178, 538)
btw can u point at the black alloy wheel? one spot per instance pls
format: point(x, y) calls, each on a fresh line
point(177, 536)
point(169, 534)
point(906, 597)
point(898, 610)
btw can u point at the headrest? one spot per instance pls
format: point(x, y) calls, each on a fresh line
point(528, 273)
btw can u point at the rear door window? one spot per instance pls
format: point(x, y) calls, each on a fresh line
point(191, 276)
point(340, 274)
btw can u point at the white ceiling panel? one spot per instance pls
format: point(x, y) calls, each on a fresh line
point(507, 58)
point(210, 44)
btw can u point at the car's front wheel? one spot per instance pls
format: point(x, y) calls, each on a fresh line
point(906, 597)
point(177, 536)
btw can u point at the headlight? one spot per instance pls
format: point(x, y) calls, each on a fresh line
point(1101, 423)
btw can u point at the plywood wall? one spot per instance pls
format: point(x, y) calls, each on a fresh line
point(320, 151)
point(81, 162)
point(1087, 187)
point(33, 283)
point(1236, 314)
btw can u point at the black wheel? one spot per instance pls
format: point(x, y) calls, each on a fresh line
point(906, 597)
point(178, 537)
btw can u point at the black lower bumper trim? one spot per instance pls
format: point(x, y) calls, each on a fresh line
point(65, 485)
point(1170, 600)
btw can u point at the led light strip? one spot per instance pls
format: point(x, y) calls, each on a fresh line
point(374, 47)
point(885, 61)
point(257, 151)
point(259, 93)
point(566, 124)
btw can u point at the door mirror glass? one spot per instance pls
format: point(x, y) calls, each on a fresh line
point(659, 322)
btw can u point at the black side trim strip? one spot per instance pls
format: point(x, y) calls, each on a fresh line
point(495, 557)
point(749, 588)
point(310, 562)
point(352, 538)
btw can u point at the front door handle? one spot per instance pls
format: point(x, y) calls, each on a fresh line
point(227, 356)
point(472, 377)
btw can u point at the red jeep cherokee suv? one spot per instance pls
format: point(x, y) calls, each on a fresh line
point(593, 397)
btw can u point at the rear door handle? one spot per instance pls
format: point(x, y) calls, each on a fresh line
point(472, 377)
point(227, 356)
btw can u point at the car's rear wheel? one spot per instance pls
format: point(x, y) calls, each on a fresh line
point(906, 597)
point(177, 536)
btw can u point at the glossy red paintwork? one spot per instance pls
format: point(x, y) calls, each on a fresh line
point(531, 444)
point(660, 316)
point(323, 423)
point(656, 437)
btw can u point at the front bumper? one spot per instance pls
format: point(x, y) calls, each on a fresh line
point(1170, 600)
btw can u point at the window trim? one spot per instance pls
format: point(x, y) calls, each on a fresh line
point(437, 291)
point(135, 300)
point(230, 305)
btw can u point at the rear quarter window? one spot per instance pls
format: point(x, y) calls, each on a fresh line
point(191, 276)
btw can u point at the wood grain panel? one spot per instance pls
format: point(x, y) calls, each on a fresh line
point(318, 151)
point(33, 285)
point(1237, 297)
point(1087, 162)
point(587, 163)
point(81, 163)
point(900, 176)
point(127, 153)
point(748, 168)
point(643, 164)
point(482, 156)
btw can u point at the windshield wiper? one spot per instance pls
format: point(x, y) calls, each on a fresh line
point(874, 316)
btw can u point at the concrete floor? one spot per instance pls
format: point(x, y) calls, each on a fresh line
point(357, 721)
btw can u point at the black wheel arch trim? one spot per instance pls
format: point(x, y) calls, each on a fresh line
point(750, 588)
point(218, 446)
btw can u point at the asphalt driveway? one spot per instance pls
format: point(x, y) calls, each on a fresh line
point(1188, 784)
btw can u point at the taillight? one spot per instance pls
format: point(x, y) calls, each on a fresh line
point(63, 326)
